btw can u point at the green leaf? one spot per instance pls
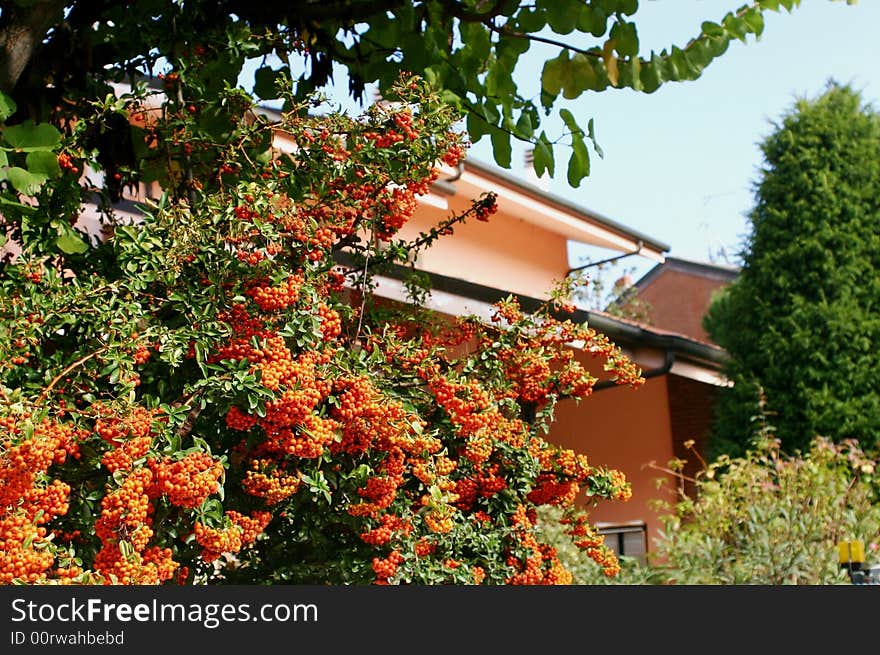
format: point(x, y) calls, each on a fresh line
point(28, 136)
point(579, 162)
point(7, 106)
point(477, 126)
point(24, 181)
point(553, 72)
point(264, 82)
point(570, 122)
point(477, 42)
point(712, 29)
point(583, 77)
point(571, 76)
point(592, 136)
point(530, 21)
point(43, 162)
point(651, 74)
point(544, 156)
point(501, 146)
point(610, 61)
point(626, 39)
point(490, 112)
point(524, 127)
point(593, 20)
point(563, 15)
point(736, 26)
point(71, 244)
point(4, 161)
point(754, 19)
point(27, 209)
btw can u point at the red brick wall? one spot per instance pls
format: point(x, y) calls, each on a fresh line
point(678, 301)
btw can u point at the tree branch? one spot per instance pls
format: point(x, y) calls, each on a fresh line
point(504, 31)
point(67, 370)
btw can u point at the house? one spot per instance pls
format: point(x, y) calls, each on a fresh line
point(522, 250)
point(678, 292)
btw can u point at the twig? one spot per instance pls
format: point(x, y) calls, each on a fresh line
point(67, 370)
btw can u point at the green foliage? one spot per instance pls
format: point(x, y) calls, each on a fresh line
point(208, 390)
point(802, 321)
point(769, 518)
point(471, 50)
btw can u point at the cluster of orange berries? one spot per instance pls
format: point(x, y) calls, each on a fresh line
point(424, 547)
point(66, 163)
point(331, 323)
point(395, 209)
point(465, 491)
point(238, 420)
point(404, 120)
point(384, 140)
point(439, 521)
point(542, 565)
point(319, 243)
point(270, 482)
point(485, 208)
point(273, 359)
point(572, 464)
point(306, 441)
point(273, 298)
point(380, 491)
point(28, 501)
point(251, 526)
point(575, 381)
point(19, 562)
point(123, 457)
point(490, 482)
point(479, 447)
point(389, 524)
point(189, 481)
point(245, 213)
point(386, 567)
point(551, 491)
point(250, 257)
point(453, 155)
point(460, 332)
point(529, 373)
point(369, 419)
point(585, 537)
point(124, 528)
point(112, 428)
point(217, 541)
point(469, 408)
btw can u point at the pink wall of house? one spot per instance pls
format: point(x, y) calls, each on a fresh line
point(504, 253)
point(626, 429)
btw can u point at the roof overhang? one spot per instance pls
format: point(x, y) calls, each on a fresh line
point(684, 357)
point(532, 204)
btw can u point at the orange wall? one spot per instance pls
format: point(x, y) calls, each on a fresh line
point(626, 429)
point(505, 252)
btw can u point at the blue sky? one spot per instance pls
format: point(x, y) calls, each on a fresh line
point(680, 163)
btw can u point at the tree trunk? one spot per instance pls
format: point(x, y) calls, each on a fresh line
point(22, 31)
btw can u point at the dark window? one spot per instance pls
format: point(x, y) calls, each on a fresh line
point(627, 539)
